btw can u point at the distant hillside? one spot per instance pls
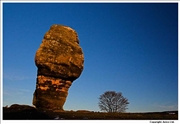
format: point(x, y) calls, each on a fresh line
point(167, 112)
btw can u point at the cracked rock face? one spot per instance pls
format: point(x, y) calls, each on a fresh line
point(59, 60)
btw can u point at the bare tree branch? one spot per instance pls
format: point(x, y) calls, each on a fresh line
point(111, 101)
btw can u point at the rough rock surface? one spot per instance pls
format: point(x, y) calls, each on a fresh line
point(59, 60)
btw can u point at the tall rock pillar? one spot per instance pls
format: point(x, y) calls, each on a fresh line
point(59, 60)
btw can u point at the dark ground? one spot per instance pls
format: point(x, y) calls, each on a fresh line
point(25, 112)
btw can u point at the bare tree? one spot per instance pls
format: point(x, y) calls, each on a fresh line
point(111, 101)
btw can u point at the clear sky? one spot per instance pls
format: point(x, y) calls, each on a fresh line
point(128, 47)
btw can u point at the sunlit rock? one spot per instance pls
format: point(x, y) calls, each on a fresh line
point(59, 60)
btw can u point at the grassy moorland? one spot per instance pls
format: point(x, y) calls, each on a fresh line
point(30, 113)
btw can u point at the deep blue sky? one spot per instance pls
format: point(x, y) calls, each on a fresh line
point(128, 47)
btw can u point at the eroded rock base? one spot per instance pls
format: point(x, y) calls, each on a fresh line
point(50, 92)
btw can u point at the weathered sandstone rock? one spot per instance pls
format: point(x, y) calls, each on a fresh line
point(59, 60)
